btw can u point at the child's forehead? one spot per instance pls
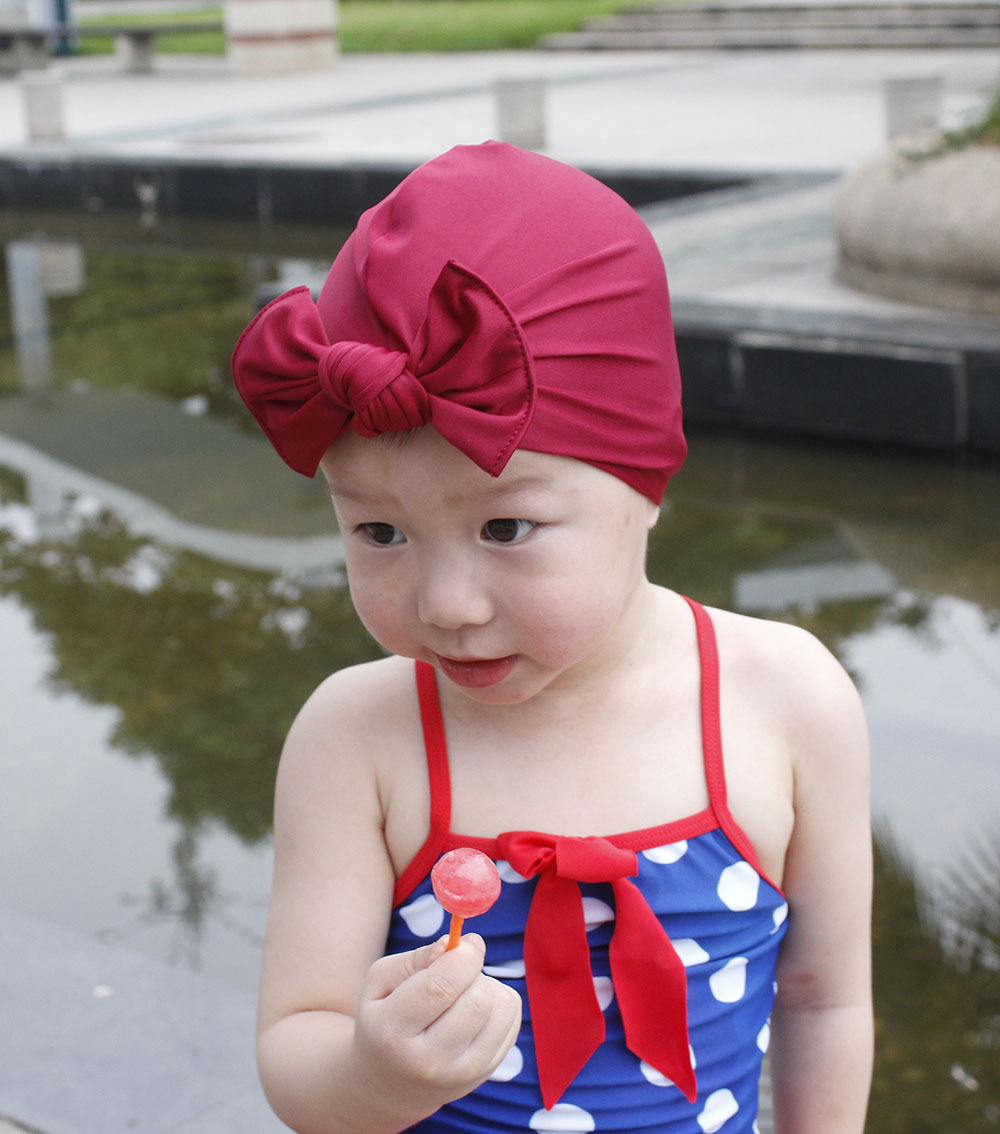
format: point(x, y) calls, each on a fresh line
point(362, 468)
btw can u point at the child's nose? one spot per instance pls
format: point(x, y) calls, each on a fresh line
point(453, 594)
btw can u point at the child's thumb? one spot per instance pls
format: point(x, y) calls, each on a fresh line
point(388, 973)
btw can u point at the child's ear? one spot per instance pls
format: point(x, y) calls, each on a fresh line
point(652, 515)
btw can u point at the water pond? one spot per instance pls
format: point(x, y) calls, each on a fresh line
point(169, 595)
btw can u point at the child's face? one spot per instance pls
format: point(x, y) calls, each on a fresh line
point(505, 584)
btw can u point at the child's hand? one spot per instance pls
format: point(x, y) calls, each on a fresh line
point(430, 1027)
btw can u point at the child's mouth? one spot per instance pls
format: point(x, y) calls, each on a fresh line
point(476, 673)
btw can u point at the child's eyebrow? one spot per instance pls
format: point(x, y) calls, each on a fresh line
point(518, 492)
point(341, 492)
point(524, 484)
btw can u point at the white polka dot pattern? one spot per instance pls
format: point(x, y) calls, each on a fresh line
point(508, 873)
point(738, 886)
point(720, 1107)
point(605, 991)
point(668, 853)
point(507, 970)
point(596, 913)
point(424, 916)
point(690, 952)
point(724, 921)
point(657, 1078)
point(563, 1117)
point(730, 982)
point(780, 916)
point(510, 1067)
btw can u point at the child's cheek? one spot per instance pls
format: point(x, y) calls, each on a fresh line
point(376, 609)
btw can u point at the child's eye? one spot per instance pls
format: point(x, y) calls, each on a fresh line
point(382, 534)
point(507, 531)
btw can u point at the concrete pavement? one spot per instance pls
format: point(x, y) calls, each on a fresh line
point(722, 113)
point(664, 110)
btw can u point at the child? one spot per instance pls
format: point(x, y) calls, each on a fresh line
point(489, 384)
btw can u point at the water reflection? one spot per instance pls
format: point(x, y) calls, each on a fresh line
point(205, 661)
point(187, 905)
point(937, 983)
point(169, 597)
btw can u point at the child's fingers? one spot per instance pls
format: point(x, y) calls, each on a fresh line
point(431, 1019)
point(480, 1027)
point(435, 987)
point(388, 973)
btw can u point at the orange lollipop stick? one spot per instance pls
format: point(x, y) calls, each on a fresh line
point(455, 931)
point(466, 883)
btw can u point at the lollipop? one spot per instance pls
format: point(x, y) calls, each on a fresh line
point(466, 883)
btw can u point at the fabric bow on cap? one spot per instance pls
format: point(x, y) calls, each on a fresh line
point(648, 975)
point(468, 373)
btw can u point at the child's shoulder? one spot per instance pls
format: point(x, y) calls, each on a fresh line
point(362, 709)
point(746, 639)
point(382, 681)
point(794, 733)
point(783, 667)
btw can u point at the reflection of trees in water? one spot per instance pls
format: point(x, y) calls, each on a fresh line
point(937, 995)
point(700, 549)
point(186, 904)
point(101, 335)
point(967, 906)
point(206, 663)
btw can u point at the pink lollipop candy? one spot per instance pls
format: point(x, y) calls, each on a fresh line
point(466, 883)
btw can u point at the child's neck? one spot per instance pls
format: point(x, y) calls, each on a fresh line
point(561, 754)
point(655, 634)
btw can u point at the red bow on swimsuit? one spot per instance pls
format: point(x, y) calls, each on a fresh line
point(468, 373)
point(648, 976)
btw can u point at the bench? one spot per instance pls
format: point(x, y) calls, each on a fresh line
point(24, 49)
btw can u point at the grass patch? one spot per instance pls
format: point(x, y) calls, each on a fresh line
point(461, 25)
point(397, 25)
point(986, 132)
point(208, 42)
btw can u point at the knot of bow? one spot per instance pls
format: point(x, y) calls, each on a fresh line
point(646, 972)
point(468, 373)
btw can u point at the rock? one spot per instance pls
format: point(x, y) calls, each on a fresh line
point(922, 225)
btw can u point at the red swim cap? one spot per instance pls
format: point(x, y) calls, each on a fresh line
point(509, 300)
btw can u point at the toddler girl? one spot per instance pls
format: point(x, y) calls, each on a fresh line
point(676, 798)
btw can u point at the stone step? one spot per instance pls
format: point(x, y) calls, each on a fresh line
point(821, 25)
point(762, 38)
point(838, 15)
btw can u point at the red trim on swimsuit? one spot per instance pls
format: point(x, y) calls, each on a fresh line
point(716, 815)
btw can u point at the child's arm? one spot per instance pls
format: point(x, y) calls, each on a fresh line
point(821, 1051)
point(350, 1041)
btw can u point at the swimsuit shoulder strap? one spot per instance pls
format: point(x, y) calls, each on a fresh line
point(439, 782)
point(711, 728)
point(711, 732)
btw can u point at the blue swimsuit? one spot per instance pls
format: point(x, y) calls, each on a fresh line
point(610, 989)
